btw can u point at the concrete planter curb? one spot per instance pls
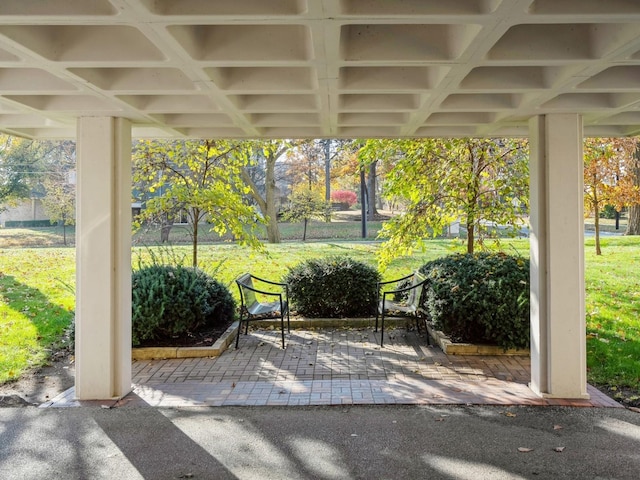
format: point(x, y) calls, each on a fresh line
point(215, 350)
point(451, 348)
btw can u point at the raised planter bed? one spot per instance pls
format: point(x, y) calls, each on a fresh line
point(451, 348)
point(215, 350)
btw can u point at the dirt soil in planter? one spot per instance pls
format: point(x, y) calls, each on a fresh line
point(201, 338)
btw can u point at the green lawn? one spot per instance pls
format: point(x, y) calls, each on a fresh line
point(613, 312)
point(36, 303)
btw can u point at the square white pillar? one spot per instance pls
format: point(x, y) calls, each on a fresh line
point(558, 331)
point(103, 258)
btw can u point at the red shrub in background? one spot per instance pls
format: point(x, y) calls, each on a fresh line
point(344, 196)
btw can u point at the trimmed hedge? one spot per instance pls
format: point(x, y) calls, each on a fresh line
point(170, 301)
point(333, 287)
point(27, 223)
point(480, 298)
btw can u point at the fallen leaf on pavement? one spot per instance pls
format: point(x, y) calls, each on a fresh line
point(558, 427)
point(559, 449)
point(525, 449)
point(509, 414)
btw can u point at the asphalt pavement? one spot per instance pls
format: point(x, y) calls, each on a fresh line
point(354, 442)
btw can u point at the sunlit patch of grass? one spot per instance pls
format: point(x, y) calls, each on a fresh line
point(613, 312)
point(36, 306)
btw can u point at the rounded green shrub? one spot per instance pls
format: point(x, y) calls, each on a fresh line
point(333, 287)
point(169, 301)
point(480, 298)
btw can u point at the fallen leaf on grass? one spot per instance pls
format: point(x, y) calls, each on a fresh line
point(525, 449)
point(559, 449)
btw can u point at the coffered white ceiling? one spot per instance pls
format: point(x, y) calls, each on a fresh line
point(319, 68)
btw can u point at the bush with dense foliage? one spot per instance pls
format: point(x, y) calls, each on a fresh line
point(169, 301)
point(335, 286)
point(480, 298)
point(344, 196)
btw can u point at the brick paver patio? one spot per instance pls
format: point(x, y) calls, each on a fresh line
point(335, 367)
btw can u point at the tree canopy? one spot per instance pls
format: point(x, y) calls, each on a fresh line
point(201, 178)
point(480, 182)
point(609, 177)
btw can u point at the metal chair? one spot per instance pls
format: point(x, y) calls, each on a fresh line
point(411, 306)
point(252, 309)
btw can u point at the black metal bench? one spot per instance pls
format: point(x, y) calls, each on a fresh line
point(405, 301)
point(253, 309)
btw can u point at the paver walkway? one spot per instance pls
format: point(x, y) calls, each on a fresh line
point(334, 367)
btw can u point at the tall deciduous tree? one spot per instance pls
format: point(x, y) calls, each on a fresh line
point(608, 177)
point(58, 181)
point(306, 204)
point(201, 178)
point(270, 151)
point(21, 167)
point(480, 182)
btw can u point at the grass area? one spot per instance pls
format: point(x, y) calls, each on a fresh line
point(613, 312)
point(36, 305)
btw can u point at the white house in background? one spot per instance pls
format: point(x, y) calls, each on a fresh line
point(28, 210)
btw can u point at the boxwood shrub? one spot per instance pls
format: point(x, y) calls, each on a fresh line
point(169, 301)
point(334, 287)
point(480, 298)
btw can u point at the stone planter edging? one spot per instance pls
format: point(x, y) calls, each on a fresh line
point(215, 350)
point(451, 348)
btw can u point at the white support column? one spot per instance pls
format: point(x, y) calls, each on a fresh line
point(558, 332)
point(103, 258)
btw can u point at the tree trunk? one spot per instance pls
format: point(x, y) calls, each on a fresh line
point(470, 236)
point(267, 204)
point(195, 238)
point(304, 231)
point(273, 232)
point(371, 191)
point(596, 224)
point(165, 227)
point(633, 225)
point(164, 233)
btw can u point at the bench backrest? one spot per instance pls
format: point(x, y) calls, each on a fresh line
point(247, 295)
point(414, 297)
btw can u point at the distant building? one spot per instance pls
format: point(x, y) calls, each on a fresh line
point(29, 209)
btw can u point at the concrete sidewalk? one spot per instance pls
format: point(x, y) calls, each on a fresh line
point(327, 442)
